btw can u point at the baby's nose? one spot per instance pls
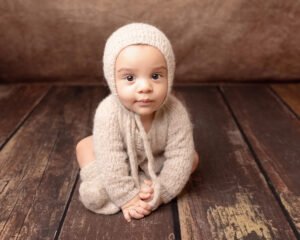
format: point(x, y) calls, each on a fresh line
point(144, 85)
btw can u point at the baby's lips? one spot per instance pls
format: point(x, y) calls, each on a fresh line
point(145, 100)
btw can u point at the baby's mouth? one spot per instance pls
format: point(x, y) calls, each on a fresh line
point(145, 101)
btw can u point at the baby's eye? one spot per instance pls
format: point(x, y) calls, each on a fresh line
point(155, 76)
point(129, 78)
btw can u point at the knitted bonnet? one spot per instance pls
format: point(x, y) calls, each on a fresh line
point(131, 34)
point(136, 33)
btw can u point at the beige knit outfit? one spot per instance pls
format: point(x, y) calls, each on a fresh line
point(125, 153)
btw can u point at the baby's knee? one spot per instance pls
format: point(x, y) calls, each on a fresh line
point(84, 151)
point(196, 161)
point(83, 144)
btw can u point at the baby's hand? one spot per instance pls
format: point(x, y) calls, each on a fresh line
point(146, 192)
point(136, 208)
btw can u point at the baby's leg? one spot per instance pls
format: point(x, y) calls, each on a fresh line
point(196, 161)
point(85, 151)
point(91, 192)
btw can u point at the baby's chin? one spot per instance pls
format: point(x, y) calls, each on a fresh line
point(143, 110)
point(145, 113)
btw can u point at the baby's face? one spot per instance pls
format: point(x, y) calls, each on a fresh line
point(141, 79)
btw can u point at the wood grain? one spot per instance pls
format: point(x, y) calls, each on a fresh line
point(81, 224)
point(38, 166)
point(228, 197)
point(274, 134)
point(16, 103)
point(290, 93)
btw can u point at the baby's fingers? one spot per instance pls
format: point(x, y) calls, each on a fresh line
point(142, 211)
point(133, 213)
point(145, 205)
point(145, 196)
point(127, 215)
point(148, 182)
point(146, 189)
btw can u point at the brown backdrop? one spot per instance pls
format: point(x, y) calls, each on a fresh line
point(236, 40)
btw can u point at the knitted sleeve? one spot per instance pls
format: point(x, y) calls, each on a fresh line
point(179, 153)
point(111, 154)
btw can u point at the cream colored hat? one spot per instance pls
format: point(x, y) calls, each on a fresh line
point(136, 33)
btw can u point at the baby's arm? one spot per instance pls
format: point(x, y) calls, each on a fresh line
point(179, 153)
point(111, 155)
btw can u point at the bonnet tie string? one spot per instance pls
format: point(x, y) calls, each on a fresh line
point(130, 129)
point(156, 197)
point(147, 147)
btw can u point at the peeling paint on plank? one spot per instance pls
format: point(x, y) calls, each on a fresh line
point(243, 220)
point(235, 138)
point(186, 220)
point(292, 203)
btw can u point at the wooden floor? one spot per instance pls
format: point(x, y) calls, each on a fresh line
point(247, 187)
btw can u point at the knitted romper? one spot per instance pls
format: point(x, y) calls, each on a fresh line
point(125, 153)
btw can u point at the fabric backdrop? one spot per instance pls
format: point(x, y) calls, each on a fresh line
point(233, 40)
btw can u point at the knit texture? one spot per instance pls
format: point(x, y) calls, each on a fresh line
point(172, 145)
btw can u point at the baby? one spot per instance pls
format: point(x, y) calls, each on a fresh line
point(141, 153)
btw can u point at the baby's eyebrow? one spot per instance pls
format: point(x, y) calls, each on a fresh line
point(133, 69)
point(159, 68)
point(126, 69)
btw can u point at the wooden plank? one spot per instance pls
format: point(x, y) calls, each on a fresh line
point(82, 224)
point(38, 167)
point(16, 103)
point(290, 93)
point(228, 197)
point(274, 134)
